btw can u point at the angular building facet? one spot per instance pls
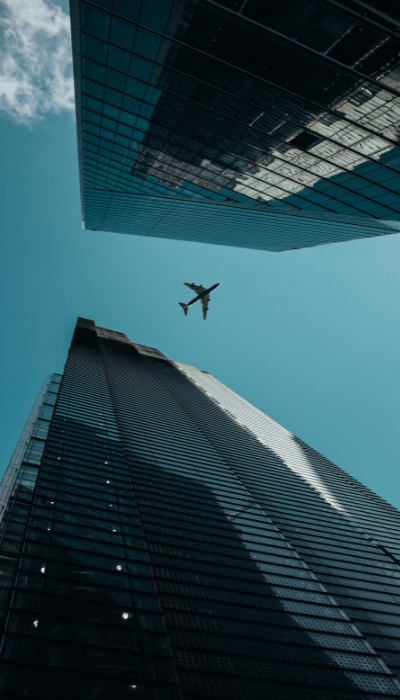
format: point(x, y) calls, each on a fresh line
point(162, 539)
point(262, 124)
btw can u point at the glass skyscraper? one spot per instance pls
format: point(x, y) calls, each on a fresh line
point(162, 539)
point(264, 124)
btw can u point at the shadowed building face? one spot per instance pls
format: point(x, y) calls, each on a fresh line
point(264, 125)
point(160, 536)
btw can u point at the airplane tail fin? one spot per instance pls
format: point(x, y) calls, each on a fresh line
point(184, 307)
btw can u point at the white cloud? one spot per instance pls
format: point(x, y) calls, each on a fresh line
point(35, 60)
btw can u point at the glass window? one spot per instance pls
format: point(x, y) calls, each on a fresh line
point(50, 398)
point(112, 96)
point(135, 88)
point(91, 88)
point(34, 452)
point(46, 412)
point(54, 386)
point(41, 429)
point(95, 21)
point(95, 71)
point(27, 477)
point(94, 48)
point(118, 58)
point(122, 33)
point(147, 44)
point(113, 112)
point(141, 68)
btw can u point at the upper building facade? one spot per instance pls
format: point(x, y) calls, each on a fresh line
point(270, 125)
point(162, 539)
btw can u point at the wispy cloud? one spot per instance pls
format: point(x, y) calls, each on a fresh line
point(35, 60)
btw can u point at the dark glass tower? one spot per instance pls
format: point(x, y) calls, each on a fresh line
point(163, 539)
point(270, 124)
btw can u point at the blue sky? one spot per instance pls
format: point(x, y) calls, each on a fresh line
point(311, 337)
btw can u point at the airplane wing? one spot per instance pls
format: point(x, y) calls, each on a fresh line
point(205, 303)
point(195, 287)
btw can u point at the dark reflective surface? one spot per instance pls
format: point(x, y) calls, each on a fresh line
point(164, 549)
point(256, 111)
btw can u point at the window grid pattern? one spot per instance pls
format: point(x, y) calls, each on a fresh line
point(302, 120)
point(223, 564)
point(85, 619)
point(19, 485)
point(178, 544)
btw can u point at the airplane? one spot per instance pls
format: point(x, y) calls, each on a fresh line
point(203, 295)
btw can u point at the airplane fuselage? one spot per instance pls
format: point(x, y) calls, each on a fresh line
point(204, 293)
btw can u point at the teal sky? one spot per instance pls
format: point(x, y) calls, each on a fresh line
point(311, 337)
